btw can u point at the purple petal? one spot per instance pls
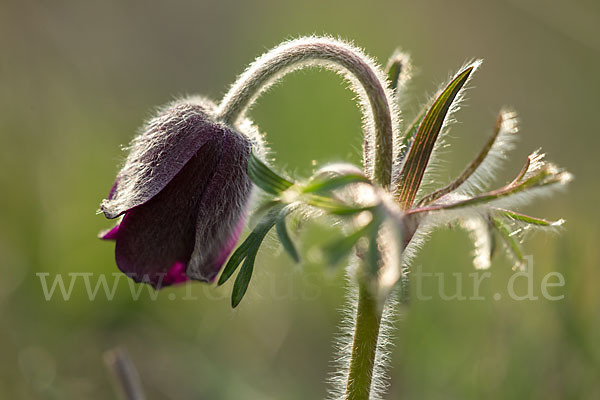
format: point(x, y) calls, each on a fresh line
point(221, 216)
point(161, 232)
point(183, 191)
point(157, 155)
point(227, 248)
point(109, 234)
point(175, 275)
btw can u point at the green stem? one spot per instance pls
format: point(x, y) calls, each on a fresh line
point(364, 346)
point(368, 318)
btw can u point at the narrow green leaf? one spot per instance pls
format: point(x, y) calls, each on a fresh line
point(471, 168)
point(410, 132)
point(265, 178)
point(545, 176)
point(236, 258)
point(425, 139)
point(512, 243)
point(263, 209)
point(394, 70)
point(243, 279)
point(398, 69)
point(529, 219)
point(334, 182)
point(335, 207)
point(266, 181)
point(336, 251)
point(522, 173)
point(284, 237)
point(411, 129)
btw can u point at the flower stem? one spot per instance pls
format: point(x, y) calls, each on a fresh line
point(364, 346)
point(366, 78)
point(125, 374)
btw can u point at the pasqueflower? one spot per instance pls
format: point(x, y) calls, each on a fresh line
point(182, 195)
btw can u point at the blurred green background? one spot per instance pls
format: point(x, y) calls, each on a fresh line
point(77, 78)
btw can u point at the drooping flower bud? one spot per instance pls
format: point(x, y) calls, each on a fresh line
point(183, 194)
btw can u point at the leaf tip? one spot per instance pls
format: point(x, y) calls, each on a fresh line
point(222, 280)
point(558, 223)
point(566, 177)
point(474, 65)
point(235, 302)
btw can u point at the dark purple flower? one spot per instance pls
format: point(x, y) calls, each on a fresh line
point(182, 195)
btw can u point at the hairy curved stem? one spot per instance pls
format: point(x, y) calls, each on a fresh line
point(364, 346)
point(330, 54)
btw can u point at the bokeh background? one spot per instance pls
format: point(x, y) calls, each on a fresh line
point(77, 78)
